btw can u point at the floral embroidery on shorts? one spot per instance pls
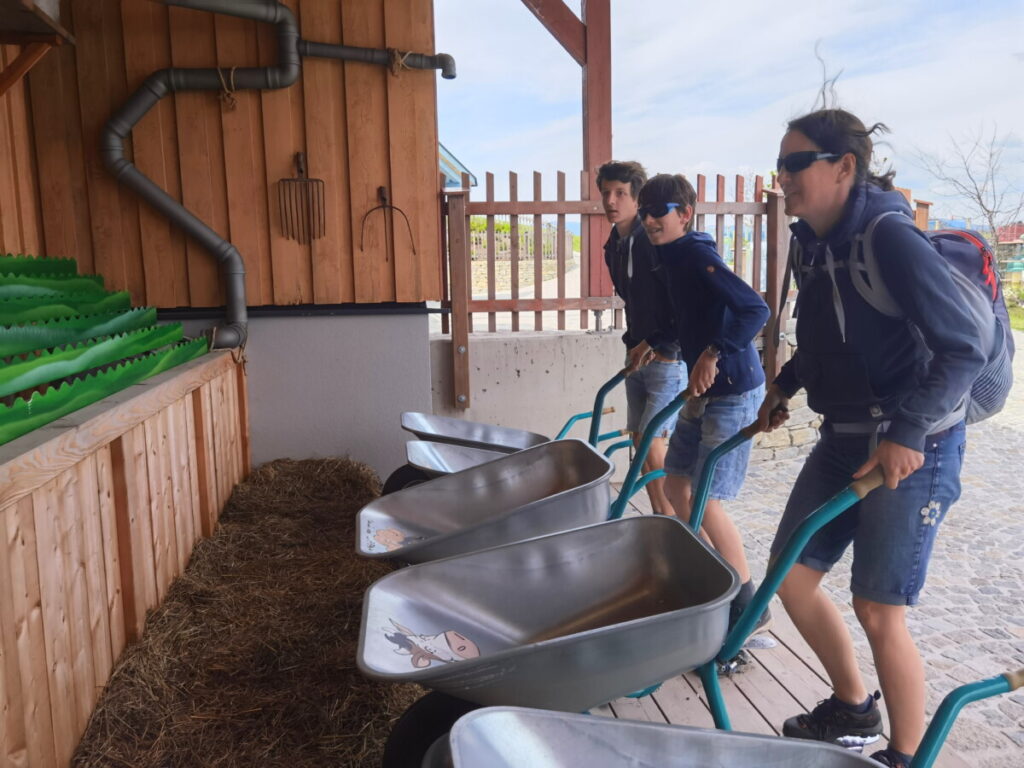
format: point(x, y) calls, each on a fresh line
point(930, 514)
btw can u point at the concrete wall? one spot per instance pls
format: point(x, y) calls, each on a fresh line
point(335, 385)
point(532, 381)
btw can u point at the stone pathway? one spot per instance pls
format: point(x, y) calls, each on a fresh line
point(970, 622)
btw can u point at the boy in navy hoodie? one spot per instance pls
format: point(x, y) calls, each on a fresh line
point(717, 316)
point(656, 374)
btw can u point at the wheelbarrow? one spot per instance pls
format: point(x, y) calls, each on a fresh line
point(509, 737)
point(548, 488)
point(565, 622)
point(446, 445)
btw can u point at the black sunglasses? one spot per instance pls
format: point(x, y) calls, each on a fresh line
point(657, 210)
point(795, 162)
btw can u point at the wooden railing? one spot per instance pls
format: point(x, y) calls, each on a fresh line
point(755, 249)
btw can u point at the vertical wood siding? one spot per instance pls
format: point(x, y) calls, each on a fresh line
point(94, 527)
point(361, 127)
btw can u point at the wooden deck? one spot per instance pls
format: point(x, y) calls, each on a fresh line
point(781, 681)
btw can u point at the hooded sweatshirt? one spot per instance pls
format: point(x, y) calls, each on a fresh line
point(859, 365)
point(640, 281)
point(713, 306)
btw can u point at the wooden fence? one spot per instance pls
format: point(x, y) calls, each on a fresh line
point(99, 513)
point(759, 239)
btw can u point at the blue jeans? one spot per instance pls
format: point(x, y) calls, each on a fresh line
point(704, 424)
point(892, 531)
point(649, 390)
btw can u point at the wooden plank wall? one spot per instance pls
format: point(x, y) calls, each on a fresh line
point(20, 217)
point(92, 540)
point(361, 127)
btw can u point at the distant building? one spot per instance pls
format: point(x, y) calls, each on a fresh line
point(452, 168)
point(1010, 232)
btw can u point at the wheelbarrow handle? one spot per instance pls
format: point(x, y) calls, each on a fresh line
point(629, 484)
point(599, 409)
point(778, 567)
point(707, 473)
point(950, 707)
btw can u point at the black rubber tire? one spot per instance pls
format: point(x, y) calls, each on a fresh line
point(405, 476)
point(427, 720)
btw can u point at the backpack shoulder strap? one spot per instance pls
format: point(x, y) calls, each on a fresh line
point(793, 259)
point(865, 273)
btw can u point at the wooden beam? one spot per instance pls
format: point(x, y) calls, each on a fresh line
point(27, 59)
point(597, 129)
point(532, 207)
point(563, 24)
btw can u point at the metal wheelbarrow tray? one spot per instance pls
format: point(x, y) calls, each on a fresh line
point(552, 487)
point(441, 429)
point(567, 621)
point(446, 458)
point(509, 737)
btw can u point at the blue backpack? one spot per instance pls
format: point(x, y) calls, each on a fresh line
point(973, 270)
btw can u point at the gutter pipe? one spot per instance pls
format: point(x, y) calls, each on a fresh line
point(290, 47)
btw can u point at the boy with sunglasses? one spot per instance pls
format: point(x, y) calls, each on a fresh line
point(717, 316)
point(656, 375)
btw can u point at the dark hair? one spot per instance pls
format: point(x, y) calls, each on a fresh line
point(628, 172)
point(670, 188)
point(838, 131)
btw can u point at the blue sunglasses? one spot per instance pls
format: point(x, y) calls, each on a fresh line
point(656, 210)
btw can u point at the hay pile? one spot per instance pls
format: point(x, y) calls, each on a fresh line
point(250, 661)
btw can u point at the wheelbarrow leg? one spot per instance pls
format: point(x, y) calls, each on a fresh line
point(713, 690)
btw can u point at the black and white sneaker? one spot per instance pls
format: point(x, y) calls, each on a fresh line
point(834, 722)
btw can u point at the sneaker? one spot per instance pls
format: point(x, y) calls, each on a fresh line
point(891, 758)
point(834, 722)
point(763, 624)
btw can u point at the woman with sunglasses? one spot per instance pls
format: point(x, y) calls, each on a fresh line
point(717, 316)
point(890, 392)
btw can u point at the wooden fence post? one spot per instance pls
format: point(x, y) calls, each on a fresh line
point(776, 350)
point(458, 251)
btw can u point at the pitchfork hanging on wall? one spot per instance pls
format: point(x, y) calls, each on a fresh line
point(301, 202)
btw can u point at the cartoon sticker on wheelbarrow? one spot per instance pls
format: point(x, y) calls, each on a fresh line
point(445, 647)
point(390, 538)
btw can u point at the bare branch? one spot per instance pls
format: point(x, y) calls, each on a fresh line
point(975, 170)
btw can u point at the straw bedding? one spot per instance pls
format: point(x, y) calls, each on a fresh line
point(250, 660)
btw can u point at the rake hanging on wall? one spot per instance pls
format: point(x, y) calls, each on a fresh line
point(301, 201)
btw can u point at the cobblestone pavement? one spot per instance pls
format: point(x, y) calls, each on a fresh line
point(969, 624)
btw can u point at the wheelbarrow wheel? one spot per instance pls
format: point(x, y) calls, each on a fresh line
point(404, 477)
point(415, 732)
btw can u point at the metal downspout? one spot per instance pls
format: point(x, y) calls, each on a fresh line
point(164, 81)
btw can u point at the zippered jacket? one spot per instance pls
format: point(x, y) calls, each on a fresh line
point(859, 365)
point(640, 281)
point(712, 305)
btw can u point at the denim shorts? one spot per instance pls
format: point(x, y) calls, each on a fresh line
point(650, 389)
point(704, 424)
point(892, 531)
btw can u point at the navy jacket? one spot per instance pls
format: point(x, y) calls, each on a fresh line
point(713, 306)
point(643, 288)
point(912, 370)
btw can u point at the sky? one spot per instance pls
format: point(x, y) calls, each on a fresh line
point(708, 87)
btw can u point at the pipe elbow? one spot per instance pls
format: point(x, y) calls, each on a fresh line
point(228, 336)
point(446, 63)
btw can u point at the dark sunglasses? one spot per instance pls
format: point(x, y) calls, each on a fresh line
point(795, 162)
point(657, 210)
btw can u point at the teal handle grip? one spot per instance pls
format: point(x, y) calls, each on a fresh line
point(602, 393)
point(950, 707)
point(616, 446)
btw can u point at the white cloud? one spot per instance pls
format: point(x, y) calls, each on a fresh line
point(708, 87)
